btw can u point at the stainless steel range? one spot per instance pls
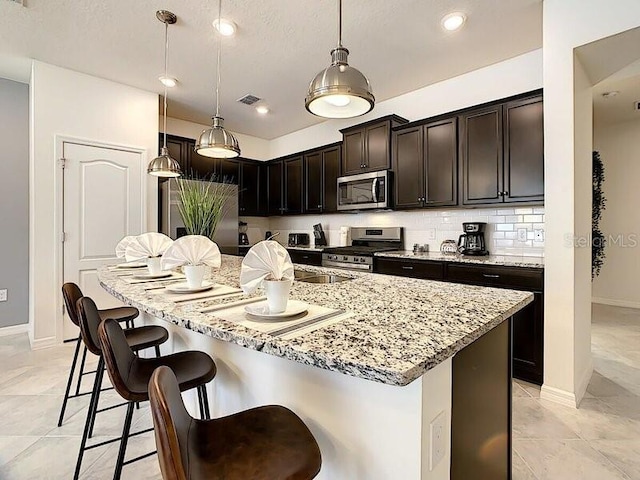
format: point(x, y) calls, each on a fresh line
point(365, 242)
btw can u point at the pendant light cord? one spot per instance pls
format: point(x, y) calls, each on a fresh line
point(166, 69)
point(339, 23)
point(219, 54)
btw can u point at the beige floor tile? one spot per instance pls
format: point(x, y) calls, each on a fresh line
point(31, 414)
point(520, 470)
point(10, 447)
point(530, 388)
point(146, 469)
point(532, 420)
point(566, 460)
point(519, 391)
point(625, 454)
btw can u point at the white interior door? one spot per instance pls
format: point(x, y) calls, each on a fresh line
point(102, 204)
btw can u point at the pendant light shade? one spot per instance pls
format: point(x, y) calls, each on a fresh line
point(339, 91)
point(164, 165)
point(215, 141)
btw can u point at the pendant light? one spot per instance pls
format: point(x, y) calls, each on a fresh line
point(216, 141)
point(164, 165)
point(339, 91)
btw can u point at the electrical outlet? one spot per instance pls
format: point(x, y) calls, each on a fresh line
point(3, 295)
point(522, 234)
point(438, 434)
point(538, 235)
point(431, 234)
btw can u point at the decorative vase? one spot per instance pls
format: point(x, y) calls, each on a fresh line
point(277, 292)
point(194, 274)
point(154, 266)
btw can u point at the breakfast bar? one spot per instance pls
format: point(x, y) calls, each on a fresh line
point(379, 385)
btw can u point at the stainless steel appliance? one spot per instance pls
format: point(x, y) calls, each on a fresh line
point(171, 224)
point(471, 242)
point(365, 242)
point(365, 191)
point(298, 240)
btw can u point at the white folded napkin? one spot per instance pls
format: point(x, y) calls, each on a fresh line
point(151, 244)
point(266, 259)
point(191, 250)
point(122, 245)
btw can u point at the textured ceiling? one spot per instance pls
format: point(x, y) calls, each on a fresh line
point(279, 47)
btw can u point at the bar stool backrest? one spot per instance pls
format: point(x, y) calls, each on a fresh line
point(71, 294)
point(89, 321)
point(118, 356)
point(171, 423)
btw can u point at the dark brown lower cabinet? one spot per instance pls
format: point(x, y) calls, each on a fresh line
point(305, 257)
point(481, 408)
point(528, 323)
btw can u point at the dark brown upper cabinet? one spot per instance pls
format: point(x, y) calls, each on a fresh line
point(425, 164)
point(293, 186)
point(321, 172)
point(502, 153)
point(367, 147)
point(252, 190)
point(524, 150)
point(275, 176)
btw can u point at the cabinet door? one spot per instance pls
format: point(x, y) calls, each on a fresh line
point(313, 182)
point(331, 166)
point(293, 186)
point(481, 145)
point(353, 152)
point(229, 171)
point(201, 166)
point(274, 188)
point(249, 188)
point(179, 151)
point(377, 139)
point(408, 167)
point(524, 151)
point(441, 163)
point(528, 339)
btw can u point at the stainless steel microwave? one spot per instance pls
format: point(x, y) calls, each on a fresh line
point(365, 191)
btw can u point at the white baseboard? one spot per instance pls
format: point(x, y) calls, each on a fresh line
point(558, 396)
point(583, 383)
point(39, 343)
point(615, 303)
point(14, 330)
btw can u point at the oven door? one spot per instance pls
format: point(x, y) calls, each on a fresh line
point(364, 191)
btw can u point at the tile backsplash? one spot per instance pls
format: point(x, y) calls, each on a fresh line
point(421, 226)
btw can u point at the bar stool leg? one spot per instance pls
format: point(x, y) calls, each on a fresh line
point(205, 401)
point(84, 357)
point(123, 442)
point(85, 433)
point(157, 351)
point(99, 374)
point(69, 382)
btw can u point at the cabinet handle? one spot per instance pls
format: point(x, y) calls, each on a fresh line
point(306, 257)
point(319, 206)
point(505, 194)
point(407, 267)
point(487, 275)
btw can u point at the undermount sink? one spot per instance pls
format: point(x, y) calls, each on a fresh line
point(324, 279)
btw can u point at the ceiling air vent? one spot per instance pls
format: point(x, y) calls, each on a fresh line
point(249, 99)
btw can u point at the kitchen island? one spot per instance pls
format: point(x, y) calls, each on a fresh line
point(369, 386)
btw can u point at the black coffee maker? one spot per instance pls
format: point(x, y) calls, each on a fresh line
point(471, 242)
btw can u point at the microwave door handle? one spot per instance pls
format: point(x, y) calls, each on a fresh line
point(374, 190)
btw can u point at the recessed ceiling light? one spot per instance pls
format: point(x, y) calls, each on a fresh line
point(225, 27)
point(168, 81)
point(453, 21)
point(262, 109)
point(611, 94)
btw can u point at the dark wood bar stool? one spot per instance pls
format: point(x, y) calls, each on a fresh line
point(139, 338)
point(264, 443)
point(130, 377)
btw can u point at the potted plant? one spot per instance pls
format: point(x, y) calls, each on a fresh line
point(203, 204)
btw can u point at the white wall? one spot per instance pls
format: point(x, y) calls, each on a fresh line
point(619, 147)
point(68, 103)
point(14, 201)
point(568, 24)
point(511, 77)
point(250, 147)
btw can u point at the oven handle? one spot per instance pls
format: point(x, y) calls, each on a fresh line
point(374, 190)
point(346, 266)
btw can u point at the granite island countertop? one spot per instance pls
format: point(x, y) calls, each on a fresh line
point(501, 260)
point(401, 328)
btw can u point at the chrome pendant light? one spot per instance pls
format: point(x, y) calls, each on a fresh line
point(339, 91)
point(216, 141)
point(164, 165)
